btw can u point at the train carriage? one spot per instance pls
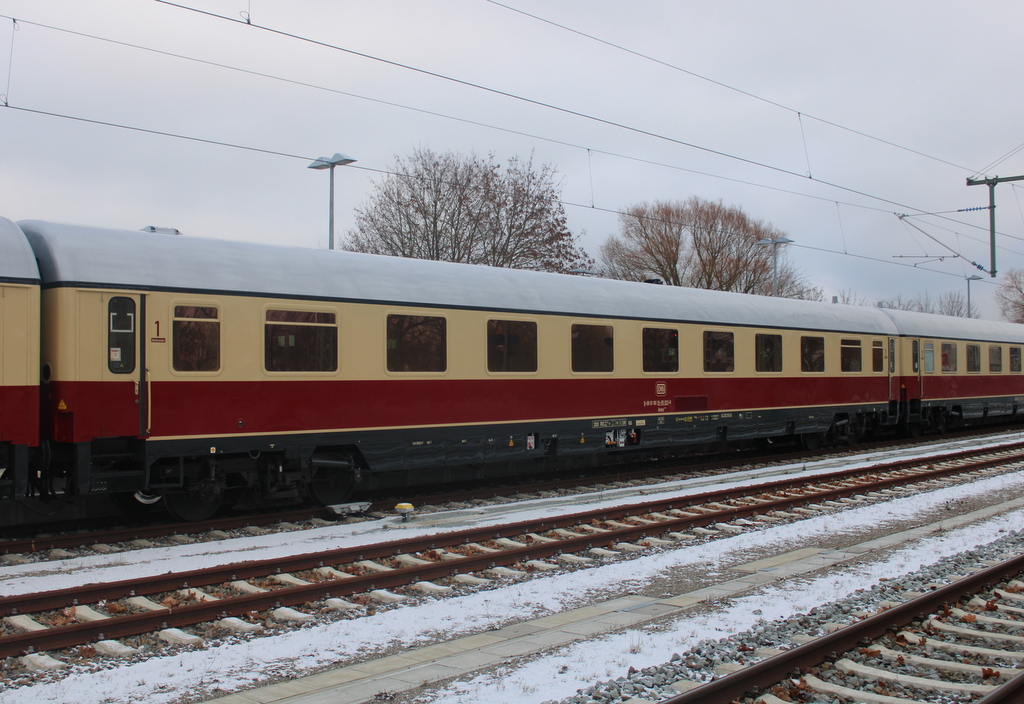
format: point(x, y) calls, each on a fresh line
point(201, 371)
point(955, 369)
point(19, 359)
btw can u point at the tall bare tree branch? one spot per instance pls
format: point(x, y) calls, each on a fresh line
point(462, 208)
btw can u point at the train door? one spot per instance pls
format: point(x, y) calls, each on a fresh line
point(124, 373)
point(892, 379)
point(912, 381)
point(19, 364)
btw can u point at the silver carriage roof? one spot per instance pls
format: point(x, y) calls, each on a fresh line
point(88, 256)
point(913, 324)
point(17, 262)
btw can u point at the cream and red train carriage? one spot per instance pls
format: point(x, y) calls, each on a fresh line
point(203, 371)
point(954, 369)
point(19, 359)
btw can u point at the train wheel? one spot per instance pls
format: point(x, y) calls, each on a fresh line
point(812, 441)
point(197, 503)
point(913, 430)
point(330, 486)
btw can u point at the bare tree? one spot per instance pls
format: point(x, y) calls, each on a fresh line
point(462, 208)
point(850, 297)
point(700, 244)
point(953, 303)
point(1010, 295)
point(652, 244)
point(921, 303)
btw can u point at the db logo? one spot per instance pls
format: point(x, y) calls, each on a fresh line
point(661, 388)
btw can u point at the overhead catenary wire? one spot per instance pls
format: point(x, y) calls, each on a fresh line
point(432, 113)
point(273, 152)
point(565, 203)
point(721, 84)
point(527, 100)
point(590, 150)
point(997, 162)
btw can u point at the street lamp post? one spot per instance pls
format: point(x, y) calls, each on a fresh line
point(329, 162)
point(781, 239)
point(972, 277)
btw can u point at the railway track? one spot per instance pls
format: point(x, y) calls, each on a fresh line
point(964, 639)
point(347, 579)
point(63, 536)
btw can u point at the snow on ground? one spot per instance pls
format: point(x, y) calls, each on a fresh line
point(45, 576)
point(236, 665)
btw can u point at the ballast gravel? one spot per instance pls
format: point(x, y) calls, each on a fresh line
point(699, 664)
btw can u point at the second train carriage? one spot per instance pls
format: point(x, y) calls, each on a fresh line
point(201, 370)
point(956, 369)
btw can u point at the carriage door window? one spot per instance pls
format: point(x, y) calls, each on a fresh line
point(892, 356)
point(877, 356)
point(121, 335)
point(915, 355)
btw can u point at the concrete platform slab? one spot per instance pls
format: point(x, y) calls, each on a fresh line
point(683, 600)
point(480, 640)
point(777, 560)
point(654, 610)
point(519, 629)
point(622, 618)
point(391, 663)
point(585, 628)
point(548, 639)
point(627, 602)
point(510, 648)
point(430, 672)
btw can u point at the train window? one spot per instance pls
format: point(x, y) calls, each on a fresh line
point(877, 356)
point(929, 356)
point(995, 359)
point(892, 357)
point(915, 354)
point(812, 354)
point(718, 351)
point(196, 333)
point(768, 353)
point(948, 357)
point(300, 341)
point(974, 358)
point(1015, 359)
point(592, 348)
point(511, 346)
point(121, 335)
point(417, 343)
point(850, 356)
point(661, 350)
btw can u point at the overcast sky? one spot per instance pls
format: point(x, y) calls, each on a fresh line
point(823, 119)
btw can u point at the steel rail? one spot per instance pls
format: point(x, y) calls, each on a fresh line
point(1010, 692)
point(764, 674)
point(159, 530)
point(42, 601)
point(122, 626)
